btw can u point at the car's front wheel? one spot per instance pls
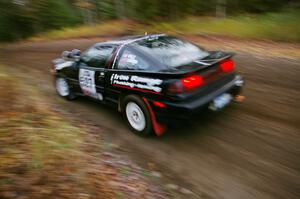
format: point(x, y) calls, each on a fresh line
point(63, 88)
point(137, 115)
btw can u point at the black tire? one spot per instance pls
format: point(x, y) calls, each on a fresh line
point(69, 95)
point(128, 100)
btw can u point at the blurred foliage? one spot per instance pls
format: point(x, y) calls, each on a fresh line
point(108, 28)
point(271, 26)
point(281, 26)
point(22, 18)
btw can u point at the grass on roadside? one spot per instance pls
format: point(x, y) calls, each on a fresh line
point(113, 28)
point(271, 26)
point(43, 154)
point(46, 152)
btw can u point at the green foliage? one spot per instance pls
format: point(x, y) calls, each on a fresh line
point(22, 18)
point(15, 21)
point(112, 28)
point(271, 26)
point(52, 14)
point(104, 9)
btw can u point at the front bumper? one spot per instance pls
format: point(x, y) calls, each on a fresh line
point(187, 109)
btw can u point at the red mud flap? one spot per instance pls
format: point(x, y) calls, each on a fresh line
point(159, 128)
point(239, 98)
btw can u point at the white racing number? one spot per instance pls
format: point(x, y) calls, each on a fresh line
point(87, 83)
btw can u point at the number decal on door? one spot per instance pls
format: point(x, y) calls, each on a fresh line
point(87, 82)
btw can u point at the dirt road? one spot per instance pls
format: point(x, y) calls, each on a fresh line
point(249, 150)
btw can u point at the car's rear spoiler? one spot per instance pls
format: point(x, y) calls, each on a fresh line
point(214, 58)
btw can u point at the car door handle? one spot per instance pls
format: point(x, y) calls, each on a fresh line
point(101, 76)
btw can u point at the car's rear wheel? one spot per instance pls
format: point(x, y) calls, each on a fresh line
point(137, 115)
point(63, 89)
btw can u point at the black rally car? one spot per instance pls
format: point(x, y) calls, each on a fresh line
point(152, 79)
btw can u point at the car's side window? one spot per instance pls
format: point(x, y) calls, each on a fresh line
point(97, 56)
point(132, 61)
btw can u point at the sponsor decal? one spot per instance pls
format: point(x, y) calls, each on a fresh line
point(128, 59)
point(133, 81)
point(87, 83)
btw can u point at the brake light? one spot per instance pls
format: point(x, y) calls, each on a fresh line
point(192, 82)
point(227, 66)
point(186, 84)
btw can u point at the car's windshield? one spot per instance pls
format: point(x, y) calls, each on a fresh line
point(170, 51)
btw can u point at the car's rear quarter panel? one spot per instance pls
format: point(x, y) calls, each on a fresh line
point(152, 84)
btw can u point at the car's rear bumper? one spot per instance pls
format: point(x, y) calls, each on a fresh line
point(175, 111)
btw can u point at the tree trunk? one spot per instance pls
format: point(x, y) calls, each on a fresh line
point(221, 9)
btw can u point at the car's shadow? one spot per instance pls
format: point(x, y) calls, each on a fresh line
point(112, 119)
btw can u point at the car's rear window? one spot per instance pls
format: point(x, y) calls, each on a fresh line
point(170, 51)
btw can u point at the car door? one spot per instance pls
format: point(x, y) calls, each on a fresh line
point(92, 71)
point(133, 72)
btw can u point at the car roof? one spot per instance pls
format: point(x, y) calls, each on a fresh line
point(129, 39)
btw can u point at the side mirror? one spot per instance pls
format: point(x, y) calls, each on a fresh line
point(76, 52)
point(73, 55)
point(66, 55)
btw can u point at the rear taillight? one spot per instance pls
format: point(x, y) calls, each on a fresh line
point(175, 88)
point(227, 66)
point(186, 84)
point(189, 83)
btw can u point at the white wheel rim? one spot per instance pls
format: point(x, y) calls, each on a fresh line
point(62, 87)
point(135, 116)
